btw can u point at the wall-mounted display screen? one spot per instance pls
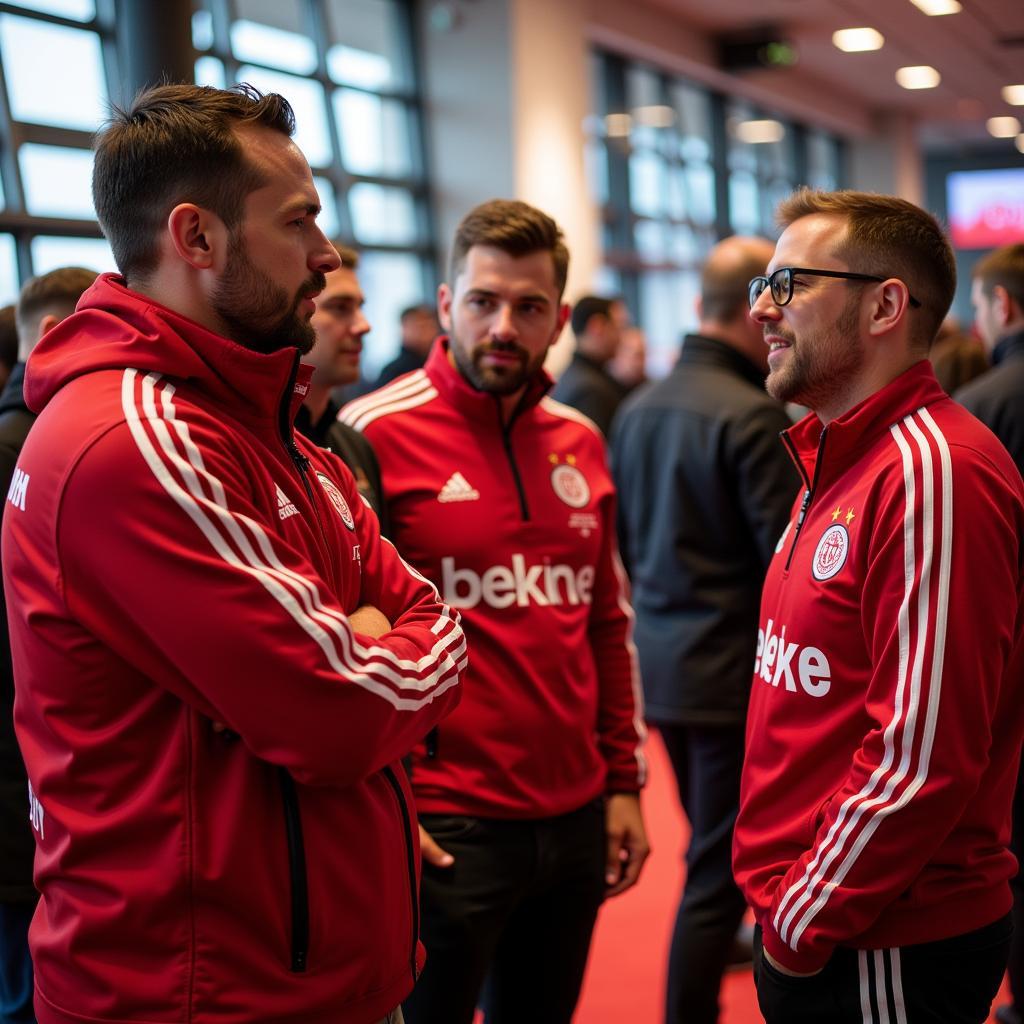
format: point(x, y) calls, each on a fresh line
point(985, 208)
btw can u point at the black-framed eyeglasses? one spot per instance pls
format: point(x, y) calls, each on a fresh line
point(781, 283)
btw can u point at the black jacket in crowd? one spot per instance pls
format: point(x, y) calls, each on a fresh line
point(705, 491)
point(405, 362)
point(588, 387)
point(17, 846)
point(997, 397)
point(352, 448)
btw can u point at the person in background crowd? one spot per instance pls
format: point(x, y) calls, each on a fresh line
point(419, 328)
point(956, 357)
point(705, 487)
point(586, 384)
point(8, 343)
point(629, 364)
point(887, 713)
point(218, 661)
point(43, 303)
point(997, 399)
point(340, 325)
point(529, 794)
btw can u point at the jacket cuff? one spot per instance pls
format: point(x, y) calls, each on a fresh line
point(802, 963)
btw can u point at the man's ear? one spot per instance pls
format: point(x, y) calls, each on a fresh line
point(198, 237)
point(1003, 305)
point(444, 306)
point(890, 306)
point(46, 324)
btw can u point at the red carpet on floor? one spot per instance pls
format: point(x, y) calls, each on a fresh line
point(626, 973)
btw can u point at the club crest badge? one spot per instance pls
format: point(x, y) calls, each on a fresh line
point(570, 485)
point(337, 500)
point(830, 554)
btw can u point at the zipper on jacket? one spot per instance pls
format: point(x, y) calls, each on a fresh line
point(506, 438)
point(389, 774)
point(811, 487)
point(297, 874)
point(299, 460)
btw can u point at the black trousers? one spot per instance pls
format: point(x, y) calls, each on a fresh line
point(708, 761)
point(952, 981)
point(508, 925)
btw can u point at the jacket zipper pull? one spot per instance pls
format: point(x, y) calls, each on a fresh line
point(803, 508)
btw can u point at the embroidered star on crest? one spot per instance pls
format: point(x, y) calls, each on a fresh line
point(838, 512)
point(849, 515)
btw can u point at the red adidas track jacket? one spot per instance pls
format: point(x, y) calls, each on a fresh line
point(887, 708)
point(516, 527)
point(172, 558)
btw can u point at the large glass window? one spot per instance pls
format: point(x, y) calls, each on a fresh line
point(346, 67)
point(675, 167)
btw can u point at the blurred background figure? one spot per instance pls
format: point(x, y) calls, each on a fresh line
point(340, 325)
point(419, 328)
point(997, 399)
point(705, 491)
point(586, 384)
point(43, 303)
point(957, 358)
point(8, 343)
point(629, 364)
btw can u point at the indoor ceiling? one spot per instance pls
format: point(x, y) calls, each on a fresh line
point(977, 52)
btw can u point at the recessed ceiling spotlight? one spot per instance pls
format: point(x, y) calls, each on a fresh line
point(1014, 95)
point(919, 76)
point(1003, 127)
point(858, 40)
point(934, 8)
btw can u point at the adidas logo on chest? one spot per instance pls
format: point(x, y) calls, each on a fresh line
point(457, 488)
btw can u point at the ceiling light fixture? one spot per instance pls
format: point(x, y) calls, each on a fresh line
point(858, 40)
point(936, 8)
point(617, 126)
point(1003, 127)
point(655, 116)
point(1014, 95)
point(759, 132)
point(918, 76)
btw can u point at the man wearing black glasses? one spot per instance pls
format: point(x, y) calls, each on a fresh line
point(886, 715)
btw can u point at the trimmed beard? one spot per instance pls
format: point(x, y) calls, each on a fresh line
point(256, 310)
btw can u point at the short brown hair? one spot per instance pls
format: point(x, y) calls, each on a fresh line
point(56, 294)
point(1003, 267)
point(513, 227)
point(348, 256)
point(175, 144)
point(891, 236)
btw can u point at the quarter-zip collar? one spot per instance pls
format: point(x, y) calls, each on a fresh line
point(115, 327)
point(851, 434)
point(477, 406)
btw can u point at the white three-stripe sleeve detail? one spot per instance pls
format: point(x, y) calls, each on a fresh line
point(826, 851)
point(390, 391)
point(923, 681)
point(196, 507)
point(922, 586)
point(332, 619)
